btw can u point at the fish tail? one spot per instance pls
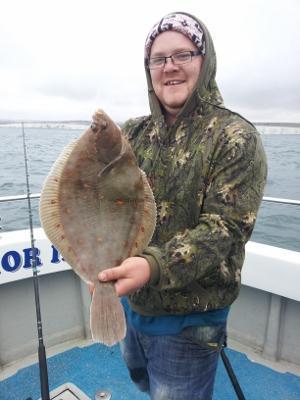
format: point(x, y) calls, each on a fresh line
point(107, 315)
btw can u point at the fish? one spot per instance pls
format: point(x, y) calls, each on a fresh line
point(97, 209)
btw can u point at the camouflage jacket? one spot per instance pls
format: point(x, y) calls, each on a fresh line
point(207, 173)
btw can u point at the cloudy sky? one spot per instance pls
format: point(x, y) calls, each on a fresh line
point(62, 59)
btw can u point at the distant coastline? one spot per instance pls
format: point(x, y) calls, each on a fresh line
point(35, 121)
point(82, 124)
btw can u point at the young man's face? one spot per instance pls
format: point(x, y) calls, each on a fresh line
point(172, 83)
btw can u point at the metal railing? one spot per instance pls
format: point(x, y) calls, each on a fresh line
point(282, 201)
point(4, 199)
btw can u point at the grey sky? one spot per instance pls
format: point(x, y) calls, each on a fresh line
point(62, 59)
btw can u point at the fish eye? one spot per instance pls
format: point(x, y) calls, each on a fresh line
point(93, 127)
point(99, 125)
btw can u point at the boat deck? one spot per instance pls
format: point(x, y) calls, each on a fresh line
point(93, 367)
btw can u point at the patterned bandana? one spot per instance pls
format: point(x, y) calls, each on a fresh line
point(177, 22)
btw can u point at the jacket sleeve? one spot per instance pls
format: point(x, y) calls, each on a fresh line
point(236, 179)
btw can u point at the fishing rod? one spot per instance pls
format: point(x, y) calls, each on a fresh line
point(236, 386)
point(41, 349)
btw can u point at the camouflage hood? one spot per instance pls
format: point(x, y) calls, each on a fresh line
point(205, 89)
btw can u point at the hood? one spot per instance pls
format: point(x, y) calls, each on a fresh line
point(206, 88)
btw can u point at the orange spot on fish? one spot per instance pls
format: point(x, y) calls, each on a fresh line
point(62, 237)
point(52, 202)
point(136, 244)
point(57, 226)
point(142, 229)
point(119, 202)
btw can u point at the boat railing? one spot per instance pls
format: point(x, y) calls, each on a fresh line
point(4, 199)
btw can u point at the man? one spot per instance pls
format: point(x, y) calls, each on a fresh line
point(207, 169)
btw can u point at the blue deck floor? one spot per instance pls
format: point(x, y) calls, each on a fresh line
point(97, 367)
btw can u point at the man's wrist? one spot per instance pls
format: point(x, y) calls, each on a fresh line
point(154, 269)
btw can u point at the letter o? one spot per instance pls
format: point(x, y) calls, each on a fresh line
point(11, 261)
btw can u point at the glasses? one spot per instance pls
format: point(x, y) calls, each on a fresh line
point(183, 57)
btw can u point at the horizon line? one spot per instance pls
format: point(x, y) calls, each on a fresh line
point(82, 121)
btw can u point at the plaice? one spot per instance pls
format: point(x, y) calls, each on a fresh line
point(97, 209)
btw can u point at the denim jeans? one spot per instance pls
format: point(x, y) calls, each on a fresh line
point(174, 367)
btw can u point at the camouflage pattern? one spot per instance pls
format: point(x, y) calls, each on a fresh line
point(207, 173)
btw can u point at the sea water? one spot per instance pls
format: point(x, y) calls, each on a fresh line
point(277, 224)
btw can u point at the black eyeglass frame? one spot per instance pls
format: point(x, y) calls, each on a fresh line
point(174, 61)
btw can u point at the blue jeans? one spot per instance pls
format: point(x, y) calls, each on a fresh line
point(174, 367)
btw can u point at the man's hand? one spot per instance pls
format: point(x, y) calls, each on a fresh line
point(133, 273)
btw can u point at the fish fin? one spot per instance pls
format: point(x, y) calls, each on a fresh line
point(49, 207)
point(121, 178)
point(126, 153)
point(148, 221)
point(107, 315)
